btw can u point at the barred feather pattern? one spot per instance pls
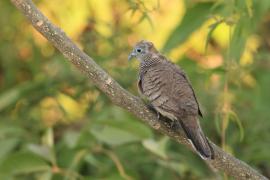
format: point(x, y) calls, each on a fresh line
point(169, 91)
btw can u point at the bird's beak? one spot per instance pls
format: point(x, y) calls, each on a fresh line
point(131, 55)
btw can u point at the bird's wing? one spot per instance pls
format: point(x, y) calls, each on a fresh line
point(167, 88)
point(170, 93)
point(182, 74)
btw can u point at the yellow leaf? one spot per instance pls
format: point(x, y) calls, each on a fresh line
point(222, 34)
point(252, 45)
point(73, 109)
point(249, 80)
point(51, 113)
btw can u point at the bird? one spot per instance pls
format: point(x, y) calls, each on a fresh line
point(169, 92)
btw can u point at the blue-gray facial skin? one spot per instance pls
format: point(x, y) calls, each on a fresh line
point(137, 52)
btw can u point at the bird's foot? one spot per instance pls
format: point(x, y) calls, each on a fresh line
point(172, 124)
point(175, 125)
point(158, 115)
point(151, 107)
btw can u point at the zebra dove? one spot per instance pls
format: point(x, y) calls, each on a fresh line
point(169, 92)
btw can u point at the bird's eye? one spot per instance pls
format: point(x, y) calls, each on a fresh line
point(139, 50)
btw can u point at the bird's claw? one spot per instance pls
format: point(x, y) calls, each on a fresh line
point(172, 123)
point(158, 115)
point(151, 107)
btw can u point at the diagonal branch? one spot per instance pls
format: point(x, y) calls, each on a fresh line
point(119, 96)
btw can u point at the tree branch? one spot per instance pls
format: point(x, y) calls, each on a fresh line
point(119, 96)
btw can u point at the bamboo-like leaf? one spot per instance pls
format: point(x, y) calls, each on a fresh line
point(191, 21)
point(157, 147)
point(235, 118)
point(22, 163)
point(212, 27)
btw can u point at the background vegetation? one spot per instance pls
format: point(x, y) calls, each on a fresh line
point(55, 125)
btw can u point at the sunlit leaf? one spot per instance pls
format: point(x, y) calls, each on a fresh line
point(212, 28)
point(73, 109)
point(145, 16)
point(249, 4)
point(47, 138)
point(157, 147)
point(191, 21)
point(71, 138)
point(42, 151)
point(71, 22)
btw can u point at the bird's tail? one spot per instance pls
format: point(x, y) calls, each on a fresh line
point(195, 134)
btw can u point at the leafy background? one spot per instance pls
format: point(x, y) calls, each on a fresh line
point(54, 124)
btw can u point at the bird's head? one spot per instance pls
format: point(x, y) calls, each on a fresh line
point(141, 50)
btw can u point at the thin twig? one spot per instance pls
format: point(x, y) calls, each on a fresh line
point(118, 164)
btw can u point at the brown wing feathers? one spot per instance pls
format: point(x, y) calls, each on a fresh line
point(170, 93)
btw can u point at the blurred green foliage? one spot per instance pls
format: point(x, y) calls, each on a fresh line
point(56, 125)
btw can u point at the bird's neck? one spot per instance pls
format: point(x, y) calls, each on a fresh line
point(150, 60)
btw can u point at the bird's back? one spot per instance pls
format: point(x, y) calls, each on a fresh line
point(170, 93)
point(166, 86)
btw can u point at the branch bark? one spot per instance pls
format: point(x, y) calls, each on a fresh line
point(119, 96)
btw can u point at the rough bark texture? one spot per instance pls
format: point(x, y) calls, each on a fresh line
point(119, 96)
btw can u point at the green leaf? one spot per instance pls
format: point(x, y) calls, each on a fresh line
point(22, 163)
point(44, 176)
point(133, 127)
point(11, 96)
point(235, 118)
point(71, 138)
point(114, 136)
point(239, 38)
point(5, 176)
point(10, 130)
point(7, 145)
point(91, 159)
point(115, 116)
point(178, 167)
point(42, 151)
point(192, 20)
point(157, 147)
